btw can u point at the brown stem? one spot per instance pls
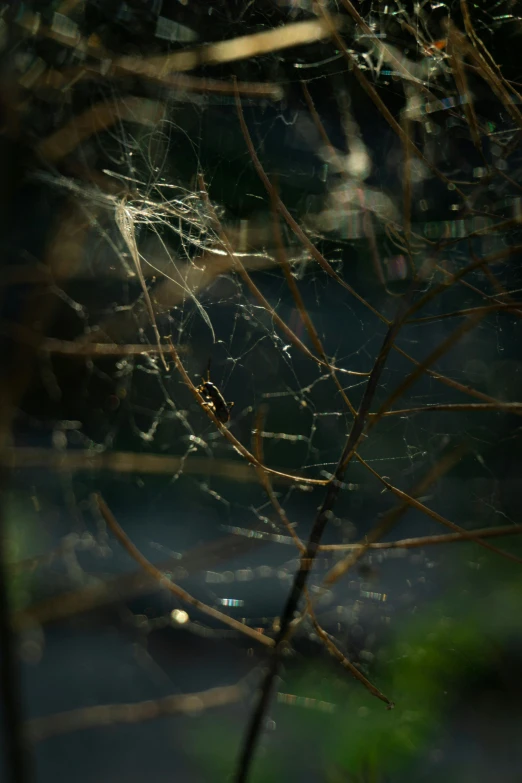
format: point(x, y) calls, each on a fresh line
point(173, 588)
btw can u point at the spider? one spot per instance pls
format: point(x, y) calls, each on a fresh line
point(214, 399)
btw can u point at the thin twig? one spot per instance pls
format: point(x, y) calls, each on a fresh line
point(422, 541)
point(436, 354)
point(478, 263)
point(321, 260)
point(417, 542)
point(151, 569)
point(414, 503)
point(240, 268)
point(126, 586)
point(54, 79)
point(439, 351)
point(39, 729)
point(508, 407)
point(303, 312)
point(499, 307)
point(255, 724)
point(265, 480)
point(240, 48)
point(483, 60)
point(267, 485)
point(228, 435)
point(392, 517)
point(97, 118)
point(74, 348)
point(88, 460)
point(343, 660)
point(374, 95)
point(291, 222)
point(459, 74)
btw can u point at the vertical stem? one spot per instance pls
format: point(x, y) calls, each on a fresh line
point(17, 762)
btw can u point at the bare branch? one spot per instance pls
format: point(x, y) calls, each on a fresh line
point(84, 718)
point(343, 660)
point(171, 586)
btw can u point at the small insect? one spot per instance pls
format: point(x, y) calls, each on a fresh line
point(214, 399)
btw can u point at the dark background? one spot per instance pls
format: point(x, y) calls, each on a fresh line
point(437, 629)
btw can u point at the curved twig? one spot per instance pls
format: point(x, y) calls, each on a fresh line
point(173, 588)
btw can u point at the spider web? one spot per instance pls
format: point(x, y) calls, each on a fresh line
point(162, 232)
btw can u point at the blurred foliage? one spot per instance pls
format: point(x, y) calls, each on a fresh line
point(25, 539)
point(429, 658)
